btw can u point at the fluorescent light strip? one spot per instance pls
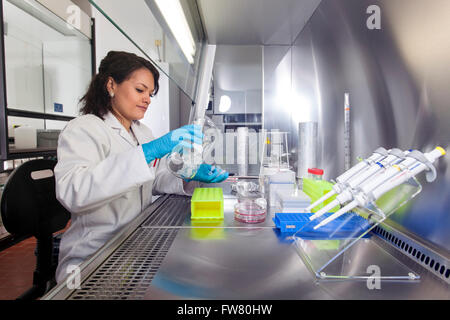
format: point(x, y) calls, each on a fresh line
point(175, 18)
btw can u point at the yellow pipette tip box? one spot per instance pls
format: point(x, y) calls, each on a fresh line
point(207, 204)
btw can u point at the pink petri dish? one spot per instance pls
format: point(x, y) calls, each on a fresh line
point(249, 212)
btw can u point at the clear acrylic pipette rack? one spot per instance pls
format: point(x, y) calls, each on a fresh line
point(356, 256)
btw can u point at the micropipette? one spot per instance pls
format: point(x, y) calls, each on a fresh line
point(415, 163)
point(394, 156)
point(377, 155)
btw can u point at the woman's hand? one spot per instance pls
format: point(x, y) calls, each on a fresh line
point(183, 137)
point(210, 174)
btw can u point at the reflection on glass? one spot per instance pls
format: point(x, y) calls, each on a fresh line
point(175, 18)
point(225, 103)
point(23, 59)
point(136, 22)
point(47, 65)
point(22, 132)
point(207, 230)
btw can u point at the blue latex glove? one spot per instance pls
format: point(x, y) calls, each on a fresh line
point(180, 138)
point(210, 174)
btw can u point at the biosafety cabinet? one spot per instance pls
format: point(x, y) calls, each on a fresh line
point(278, 65)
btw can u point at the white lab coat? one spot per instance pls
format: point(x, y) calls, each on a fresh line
point(103, 179)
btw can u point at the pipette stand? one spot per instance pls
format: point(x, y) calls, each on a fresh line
point(348, 251)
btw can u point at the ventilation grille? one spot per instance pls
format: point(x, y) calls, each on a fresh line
point(128, 272)
point(433, 262)
point(172, 213)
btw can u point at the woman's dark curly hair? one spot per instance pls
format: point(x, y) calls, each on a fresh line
point(119, 65)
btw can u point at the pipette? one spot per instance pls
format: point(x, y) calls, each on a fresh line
point(394, 156)
point(415, 163)
point(377, 155)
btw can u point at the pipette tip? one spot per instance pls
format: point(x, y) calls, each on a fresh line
point(322, 199)
point(325, 209)
point(337, 214)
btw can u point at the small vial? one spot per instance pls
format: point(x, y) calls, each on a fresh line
point(315, 173)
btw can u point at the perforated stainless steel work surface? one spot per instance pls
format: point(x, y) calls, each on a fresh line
point(129, 270)
point(172, 214)
point(127, 273)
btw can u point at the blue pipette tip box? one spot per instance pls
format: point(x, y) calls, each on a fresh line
point(348, 225)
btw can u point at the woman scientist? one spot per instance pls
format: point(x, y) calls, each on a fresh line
point(108, 167)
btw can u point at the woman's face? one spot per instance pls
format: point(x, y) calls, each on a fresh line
point(132, 96)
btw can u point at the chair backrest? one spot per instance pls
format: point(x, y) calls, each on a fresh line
point(28, 204)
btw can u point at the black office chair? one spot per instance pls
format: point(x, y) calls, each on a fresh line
point(29, 208)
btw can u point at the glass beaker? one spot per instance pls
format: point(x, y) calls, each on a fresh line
point(274, 156)
point(183, 162)
point(275, 152)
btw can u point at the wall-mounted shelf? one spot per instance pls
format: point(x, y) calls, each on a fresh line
point(28, 153)
point(37, 115)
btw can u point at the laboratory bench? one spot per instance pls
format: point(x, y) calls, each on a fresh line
point(162, 254)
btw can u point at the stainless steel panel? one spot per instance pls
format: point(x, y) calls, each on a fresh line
point(256, 262)
point(397, 78)
point(426, 256)
point(277, 110)
point(233, 263)
point(252, 22)
point(238, 75)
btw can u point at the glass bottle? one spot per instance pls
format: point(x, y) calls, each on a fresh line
point(184, 163)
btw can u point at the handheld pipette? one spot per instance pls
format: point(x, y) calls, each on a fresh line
point(394, 156)
point(377, 155)
point(415, 163)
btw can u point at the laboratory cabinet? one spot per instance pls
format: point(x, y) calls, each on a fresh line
point(47, 64)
